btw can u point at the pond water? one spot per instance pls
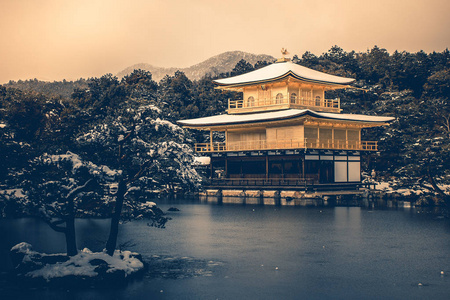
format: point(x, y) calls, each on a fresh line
point(262, 252)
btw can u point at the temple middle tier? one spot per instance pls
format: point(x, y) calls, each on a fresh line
point(286, 129)
point(287, 144)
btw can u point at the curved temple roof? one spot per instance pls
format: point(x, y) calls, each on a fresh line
point(281, 70)
point(279, 115)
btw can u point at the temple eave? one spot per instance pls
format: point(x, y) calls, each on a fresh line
point(303, 119)
point(284, 78)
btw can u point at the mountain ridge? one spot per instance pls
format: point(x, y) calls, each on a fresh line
point(221, 63)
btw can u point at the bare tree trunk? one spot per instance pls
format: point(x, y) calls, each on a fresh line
point(114, 229)
point(71, 242)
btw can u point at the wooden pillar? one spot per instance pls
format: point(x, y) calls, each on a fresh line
point(219, 197)
point(226, 139)
point(287, 92)
point(211, 169)
point(277, 198)
point(241, 174)
point(318, 170)
point(303, 167)
point(300, 95)
point(318, 135)
point(346, 138)
point(323, 96)
point(211, 139)
point(267, 167)
point(226, 167)
point(332, 137)
point(359, 140)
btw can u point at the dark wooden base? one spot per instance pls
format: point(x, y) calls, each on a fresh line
point(280, 184)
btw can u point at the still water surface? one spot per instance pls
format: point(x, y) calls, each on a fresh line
point(253, 252)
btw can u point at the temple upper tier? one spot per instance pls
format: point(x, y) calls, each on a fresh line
point(283, 85)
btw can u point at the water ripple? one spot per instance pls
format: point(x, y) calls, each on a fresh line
point(164, 266)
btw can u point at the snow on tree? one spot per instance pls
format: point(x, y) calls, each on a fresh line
point(150, 138)
point(136, 142)
point(62, 187)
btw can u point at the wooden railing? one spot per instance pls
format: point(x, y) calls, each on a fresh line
point(312, 184)
point(285, 101)
point(329, 103)
point(257, 102)
point(287, 144)
point(263, 181)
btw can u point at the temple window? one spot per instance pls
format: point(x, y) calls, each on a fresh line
point(293, 98)
point(317, 100)
point(340, 135)
point(326, 135)
point(279, 98)
point(311, 134)
point(251, 101)
point(353, 135)
point(353, 138)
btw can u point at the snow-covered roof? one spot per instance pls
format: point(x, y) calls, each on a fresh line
point(278, 115)
point(281, 70)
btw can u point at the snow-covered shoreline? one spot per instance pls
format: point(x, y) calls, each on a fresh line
point(87, 267)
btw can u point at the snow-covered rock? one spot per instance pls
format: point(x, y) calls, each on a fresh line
point(87, 266)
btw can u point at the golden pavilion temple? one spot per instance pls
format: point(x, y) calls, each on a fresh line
point(285, 132)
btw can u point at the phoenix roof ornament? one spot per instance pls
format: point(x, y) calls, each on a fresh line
point(284, 52)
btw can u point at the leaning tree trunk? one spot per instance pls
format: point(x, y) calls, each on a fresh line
point(444, 196)
point(71, 241)
point(114, 229)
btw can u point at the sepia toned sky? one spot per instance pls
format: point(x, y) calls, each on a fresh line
point(69, 39)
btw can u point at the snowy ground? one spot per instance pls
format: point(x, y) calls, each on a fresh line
point(85, 264)
point(389, 187)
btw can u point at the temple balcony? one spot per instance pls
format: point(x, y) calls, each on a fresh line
point(282, 101)
point(287, 144)
point(295, 184)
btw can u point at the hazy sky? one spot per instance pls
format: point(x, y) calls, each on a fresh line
point(57, 39)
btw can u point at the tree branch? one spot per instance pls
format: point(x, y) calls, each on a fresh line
point(431, 189)
point(59, 222)
point(144, 167)
point(72, 194)
point(53, 225)
point(122, 142)
point(434, 185)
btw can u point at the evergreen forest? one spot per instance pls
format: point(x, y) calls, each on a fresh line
point(55, 137)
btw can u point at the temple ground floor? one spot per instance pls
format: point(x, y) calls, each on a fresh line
point(296, 169)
